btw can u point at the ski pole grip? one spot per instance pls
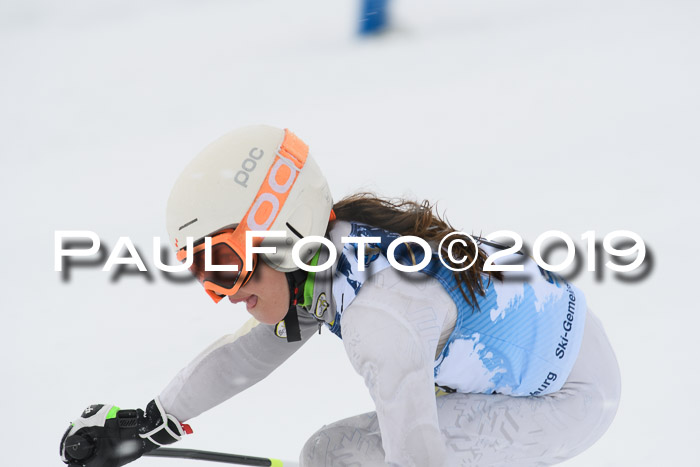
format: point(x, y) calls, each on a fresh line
point(78, 447)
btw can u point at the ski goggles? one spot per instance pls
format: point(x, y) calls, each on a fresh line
point(228, 247)
point(226, 250)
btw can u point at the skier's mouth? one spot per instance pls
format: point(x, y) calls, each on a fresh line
point(250, 302)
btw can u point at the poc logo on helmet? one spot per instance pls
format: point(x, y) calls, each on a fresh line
point(248, 166)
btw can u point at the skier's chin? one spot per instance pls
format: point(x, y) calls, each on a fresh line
point(265, 316)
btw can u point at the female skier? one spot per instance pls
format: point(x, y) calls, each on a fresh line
point(464, 367)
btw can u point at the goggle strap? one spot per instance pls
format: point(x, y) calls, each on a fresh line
point(294, 149)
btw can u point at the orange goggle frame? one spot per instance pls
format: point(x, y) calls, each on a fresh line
point(225, 250)
point(228, 246)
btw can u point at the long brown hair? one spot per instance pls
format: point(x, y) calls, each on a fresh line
point(406, 217)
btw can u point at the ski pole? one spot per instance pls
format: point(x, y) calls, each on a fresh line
point(217, 457)
point(81, 448)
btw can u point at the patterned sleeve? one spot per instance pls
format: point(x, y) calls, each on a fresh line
point(230, 365)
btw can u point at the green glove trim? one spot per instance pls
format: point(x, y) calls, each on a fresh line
point(112, 412)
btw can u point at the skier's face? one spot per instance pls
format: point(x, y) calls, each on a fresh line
point(266, 295)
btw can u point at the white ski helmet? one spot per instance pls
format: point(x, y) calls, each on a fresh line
point(256, 178)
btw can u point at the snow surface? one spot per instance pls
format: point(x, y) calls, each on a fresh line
point(520, 115)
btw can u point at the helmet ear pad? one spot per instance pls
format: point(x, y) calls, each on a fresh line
point(305, 213)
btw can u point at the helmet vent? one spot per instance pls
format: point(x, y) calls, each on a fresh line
point(294, 231)
point(187, 223)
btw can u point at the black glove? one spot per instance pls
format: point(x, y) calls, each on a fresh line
point(105, 436)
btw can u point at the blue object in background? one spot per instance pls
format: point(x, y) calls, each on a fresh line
point(373, 16)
